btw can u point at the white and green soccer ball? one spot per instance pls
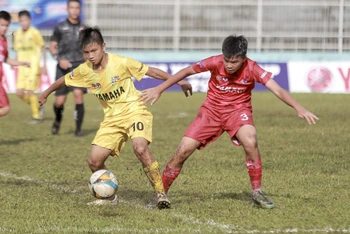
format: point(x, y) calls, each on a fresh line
point(103, 184)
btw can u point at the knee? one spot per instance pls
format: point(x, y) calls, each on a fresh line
point(183, 151)
point(140, 150)
point(250, 142)
point(4, 110)
point(94, 164)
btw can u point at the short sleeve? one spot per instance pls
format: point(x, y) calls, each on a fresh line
point(15, 43)
point(203, 65)
point(260, 75)
point(39, 38)
point(75, 78)
point(135, 68)
point(56, 36)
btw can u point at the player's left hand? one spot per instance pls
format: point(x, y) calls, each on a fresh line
point(151, 94)
point(26, 64)
point(186, 88)
point(307, 115)
point(42, 99)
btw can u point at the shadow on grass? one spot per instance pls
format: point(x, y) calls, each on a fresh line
point(242, 196)
point(22, 183)
point(85, 132)
point(17, 141)
point(130, 195)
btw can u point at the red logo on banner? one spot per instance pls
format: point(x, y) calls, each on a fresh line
point(319, 79)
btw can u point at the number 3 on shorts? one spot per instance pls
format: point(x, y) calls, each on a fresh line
point(244, 117)
point(139, 126)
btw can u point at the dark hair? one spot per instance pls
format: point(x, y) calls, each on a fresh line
point(24, 13)
point(5, 15)
point(235, 46)
point(90, 35)
point(69, 1)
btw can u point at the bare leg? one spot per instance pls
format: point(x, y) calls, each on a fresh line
point(97, 158)
point(151, 169)
point(172, 170)
point(4, 110)
point(247, 136)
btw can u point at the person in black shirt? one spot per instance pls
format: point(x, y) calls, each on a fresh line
point(64, 47)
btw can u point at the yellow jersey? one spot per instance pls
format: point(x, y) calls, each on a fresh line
point(113, 86)
point(28, 45)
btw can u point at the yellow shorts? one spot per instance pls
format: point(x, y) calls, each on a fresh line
point(115, 131)
point(28, 78)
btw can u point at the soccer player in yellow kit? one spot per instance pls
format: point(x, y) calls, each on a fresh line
point(29, 44)
point(109, 78)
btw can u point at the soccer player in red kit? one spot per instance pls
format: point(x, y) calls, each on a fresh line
point(5, 19)
point(227, 108)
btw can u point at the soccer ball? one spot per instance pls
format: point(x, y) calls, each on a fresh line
point(103, 184)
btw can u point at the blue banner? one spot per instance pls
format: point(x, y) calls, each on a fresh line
point(199, 81)
point(45, 13)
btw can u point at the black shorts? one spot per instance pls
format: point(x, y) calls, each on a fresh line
point(61, 72)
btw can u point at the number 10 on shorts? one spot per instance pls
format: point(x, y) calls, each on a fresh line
point(137, 126)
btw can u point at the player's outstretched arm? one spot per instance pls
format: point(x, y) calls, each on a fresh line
point(162, 75)
point(153, 94)
point(289, 100)
point(14, 62)
point(58, 84)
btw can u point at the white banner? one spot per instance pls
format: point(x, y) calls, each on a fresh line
point(319, 77)
point(10, 78)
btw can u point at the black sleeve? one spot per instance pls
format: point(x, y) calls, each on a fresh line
point(56, 36)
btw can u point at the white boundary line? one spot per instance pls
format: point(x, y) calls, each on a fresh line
point(228, 228)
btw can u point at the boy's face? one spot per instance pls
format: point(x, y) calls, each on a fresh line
point(4, 25)
point(94, 52)
point(25, 22)
point(73, 10)
point(233, 64)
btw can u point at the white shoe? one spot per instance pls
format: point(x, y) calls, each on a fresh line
point(35, 121)
point(161, 201)
point(41, 112)
point(100, 202)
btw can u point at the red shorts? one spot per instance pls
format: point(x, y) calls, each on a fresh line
point(210, 124)
point(4, 100)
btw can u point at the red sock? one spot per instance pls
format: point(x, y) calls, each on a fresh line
point(254, 168)
point(168, 177)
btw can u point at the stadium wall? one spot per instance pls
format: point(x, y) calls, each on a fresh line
point(296, 72)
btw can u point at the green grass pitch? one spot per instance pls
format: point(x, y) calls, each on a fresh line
point(43, 178)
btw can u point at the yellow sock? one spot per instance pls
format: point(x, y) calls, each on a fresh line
point(153, 174)
point(34, 105)
point(26, 98)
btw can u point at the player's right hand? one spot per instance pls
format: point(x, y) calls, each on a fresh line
point(42, 99)
point(307, 115)
point(64, 64)
point(151, 94)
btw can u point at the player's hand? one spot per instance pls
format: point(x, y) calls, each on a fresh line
point(26, 64)
point(64, 64)
point(42, 99)
point(152, 94)
point(186, 88)
point(307, 115)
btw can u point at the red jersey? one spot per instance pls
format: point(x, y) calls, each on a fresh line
point(3, 56)
point(231, 91)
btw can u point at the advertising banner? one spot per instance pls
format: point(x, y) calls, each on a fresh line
point(199, 81)
point(319, 77)
point(45, 13)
